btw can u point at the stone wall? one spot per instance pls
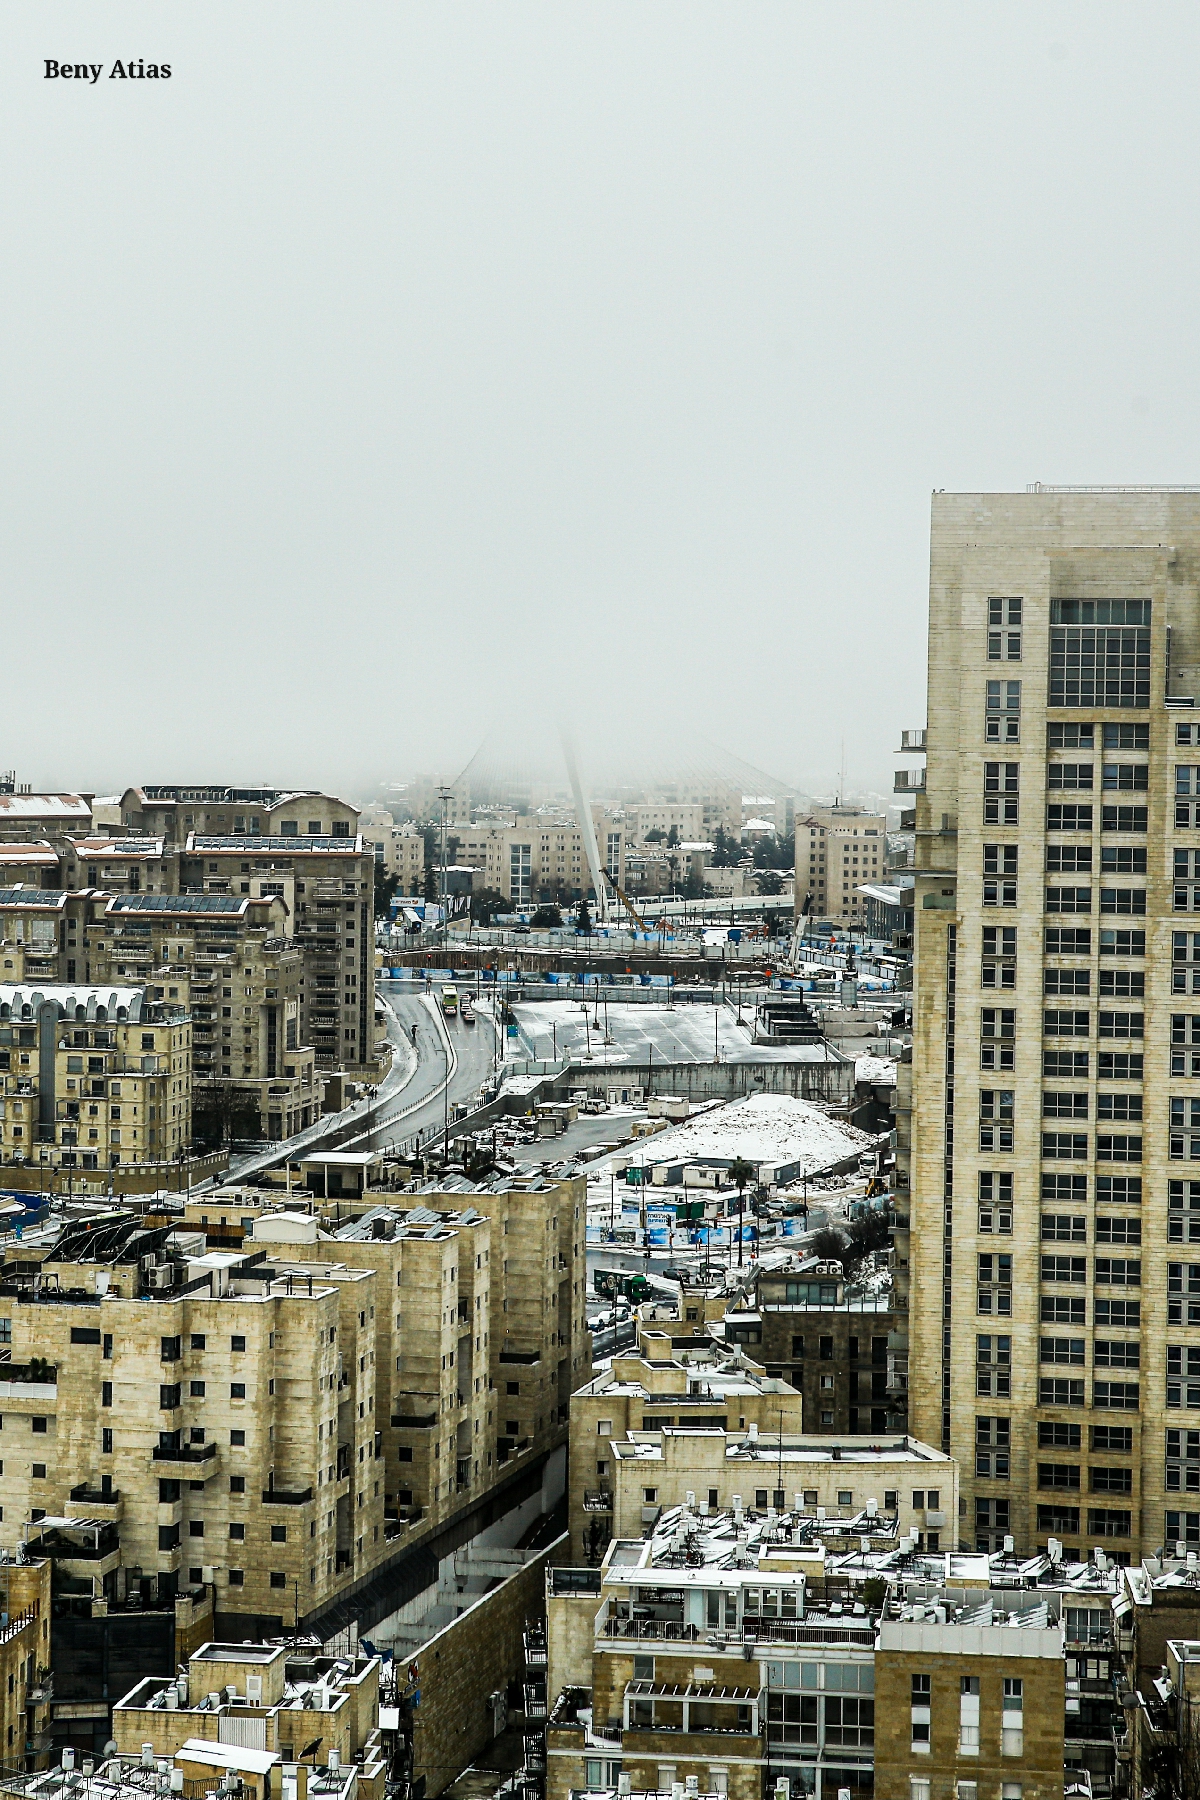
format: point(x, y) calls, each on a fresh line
point(463, 1664)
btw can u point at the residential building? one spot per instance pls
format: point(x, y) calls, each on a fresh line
point(1053, 1346)
point(486, 1336)
point(540, 859)
point(33, 865)
point(236, 965)
point(837, 848)
point(210, 1414)
point(684, 818)
point(401, 851)
point(118, 865)
point(328, 881)
point(305, 1712)
point(174, 813)
point(93, 1078)
point(26, 1676)
point(684, 1667)
point(969, 1695)
point(801, 1320)
point(26, 817)
point(671, 1382)
point(844, 1490)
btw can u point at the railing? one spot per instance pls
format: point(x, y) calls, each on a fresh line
point(673, 1629)
point(286, 1496)
point(597, 1501)
point(18, 1622)
point(184, 1453)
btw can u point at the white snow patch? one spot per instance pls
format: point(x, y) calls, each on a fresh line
point(880, 1071)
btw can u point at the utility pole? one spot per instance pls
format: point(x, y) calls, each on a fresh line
point(445, 795)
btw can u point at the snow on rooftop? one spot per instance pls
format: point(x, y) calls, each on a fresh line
point(880, 1071)
point(763, 1128)
point(45, 806)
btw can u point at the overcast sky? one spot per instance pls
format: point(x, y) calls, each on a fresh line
point(396, 369)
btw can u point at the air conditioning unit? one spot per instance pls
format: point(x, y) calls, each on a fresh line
point(162, 1275)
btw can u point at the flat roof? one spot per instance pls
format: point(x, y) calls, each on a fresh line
point(199, 844)
point(227, 1756)
point(342, 1159)
point(178, 903)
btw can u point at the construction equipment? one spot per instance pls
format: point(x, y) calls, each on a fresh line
point(626, 902)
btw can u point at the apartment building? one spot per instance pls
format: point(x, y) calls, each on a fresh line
point(685, 1384)
point(174, 813)
point(236, 965)
point(328, 881)
point(837, 849)
point(118, 865)
point(684, 818)
point(1053, 1346)
point(401, 851)
point(681, 1665)
point(969, 1694)
point(298, 1712)
point(537, 860)
point(802, 1323)
point(435, 1404)
point(486, 1335)
point(92, 1078)
point(26, 1680)
point(844, 1490)
point(211, 1413)
point(34, 865)
point(27, 817)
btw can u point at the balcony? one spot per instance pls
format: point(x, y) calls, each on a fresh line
point(597, 1501)
point(696, 1707)
point(909, 781)
point(286, 1496)
point(101, 1503)
point(911, 741)
point(184, 1453)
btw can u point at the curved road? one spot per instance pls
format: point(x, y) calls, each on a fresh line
point(449, 1063)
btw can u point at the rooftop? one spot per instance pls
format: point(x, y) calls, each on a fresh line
point(99, 1003)
point(72, 807)
point(174, 904)
point(199, 844)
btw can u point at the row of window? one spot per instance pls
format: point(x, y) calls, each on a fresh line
point(993, 1444)
point(1074, 1104)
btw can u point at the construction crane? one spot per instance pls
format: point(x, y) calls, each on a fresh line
point(626, 902)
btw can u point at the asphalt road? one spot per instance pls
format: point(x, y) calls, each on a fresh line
point(450, 1061)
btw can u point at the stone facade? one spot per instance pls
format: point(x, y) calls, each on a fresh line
point(1057, 960)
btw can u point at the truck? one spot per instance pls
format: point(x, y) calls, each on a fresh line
point(449, 1001)
point(615, 1284)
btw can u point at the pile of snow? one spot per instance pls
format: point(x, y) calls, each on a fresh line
point(879, 1071)
point(763, 1128)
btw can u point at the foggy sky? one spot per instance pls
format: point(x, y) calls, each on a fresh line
point(393, 370)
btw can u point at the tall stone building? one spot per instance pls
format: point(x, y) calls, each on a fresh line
point(1055, 1288)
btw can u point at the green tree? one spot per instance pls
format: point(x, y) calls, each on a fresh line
point(655, 835)
point(385, 886)
point(583, 917)
point(430, 888)
point(672, 837)
point(546, 918)
point(741, 1173)
point(769, 881)
point(726, 851)
point(828, 1244)
point(486, 904)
